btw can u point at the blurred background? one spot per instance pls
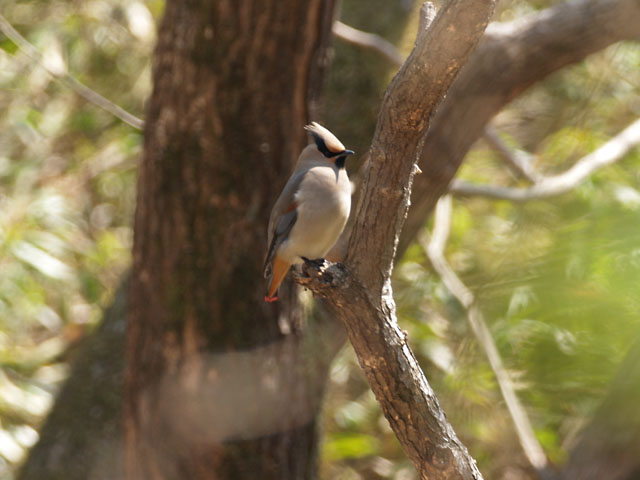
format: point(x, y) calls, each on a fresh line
point(556, 279)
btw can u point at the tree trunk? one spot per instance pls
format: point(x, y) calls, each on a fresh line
point(217, 385)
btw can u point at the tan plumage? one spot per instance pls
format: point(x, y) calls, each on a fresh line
point(312, 209)
point(330, 140)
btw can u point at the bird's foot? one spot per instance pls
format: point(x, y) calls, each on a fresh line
point(319, 263)
point(320, 273)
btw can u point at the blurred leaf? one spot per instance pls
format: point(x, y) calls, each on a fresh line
point(351, 445)
point(8, 46)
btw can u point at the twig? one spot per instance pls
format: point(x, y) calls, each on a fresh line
point(368, 40)
point(435, 251)
point(68, 80)
point(519, 160)
point(609, 153)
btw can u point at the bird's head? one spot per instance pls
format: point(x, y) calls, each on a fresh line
point(328, 144)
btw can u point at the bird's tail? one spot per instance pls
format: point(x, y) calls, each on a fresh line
point(280, 269)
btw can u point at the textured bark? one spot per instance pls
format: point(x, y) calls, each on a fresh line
point(510, 58)
point(363, 300)
point(219, 383)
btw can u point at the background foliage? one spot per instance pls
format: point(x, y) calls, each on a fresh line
point(67, 192)
point(556, 279)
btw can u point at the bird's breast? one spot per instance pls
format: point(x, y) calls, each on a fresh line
point(323, 206)
point(325, 191)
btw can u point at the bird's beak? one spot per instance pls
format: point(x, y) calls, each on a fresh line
point(348, 152)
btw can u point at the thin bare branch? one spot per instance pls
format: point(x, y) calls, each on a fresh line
point(545, 187)
point(434, 248)
point(518, 160)
point(368, 40)
point(67, 79)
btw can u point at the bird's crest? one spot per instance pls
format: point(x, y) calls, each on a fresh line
point(327, 142)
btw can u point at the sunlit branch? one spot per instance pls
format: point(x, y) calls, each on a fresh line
point(360, 294)
point(545, 187)
point(518, 160)
point(67, 79)
point(368, 40)
point(434, 248)
point(512, 57)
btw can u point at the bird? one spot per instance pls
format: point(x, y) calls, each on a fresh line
point(312, 210)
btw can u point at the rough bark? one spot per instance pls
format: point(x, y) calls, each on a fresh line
point(510, 58)
point(363, 299)
point(219, 383)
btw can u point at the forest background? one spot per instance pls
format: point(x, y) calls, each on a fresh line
point(555, 279)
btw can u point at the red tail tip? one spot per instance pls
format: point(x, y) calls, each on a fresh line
point(269, 299)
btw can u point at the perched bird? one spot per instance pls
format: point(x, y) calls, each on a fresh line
point(311, 211)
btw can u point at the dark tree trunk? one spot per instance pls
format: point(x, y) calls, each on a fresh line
point(216, 385)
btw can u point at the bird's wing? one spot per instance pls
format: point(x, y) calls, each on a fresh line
point(283, 218)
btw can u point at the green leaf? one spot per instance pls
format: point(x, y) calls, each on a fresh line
point(351, 445)
point(8, 46)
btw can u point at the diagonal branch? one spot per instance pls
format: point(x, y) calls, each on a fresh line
point(510, 58)
point(368, 40)
point(360, 295)
point(67, 79)
point(518, 160)
point(545, 187)
point(434, 249)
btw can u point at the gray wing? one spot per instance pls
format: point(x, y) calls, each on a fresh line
point(282, 219)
